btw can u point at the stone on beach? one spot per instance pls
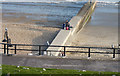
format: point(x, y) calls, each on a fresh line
point(44, 69)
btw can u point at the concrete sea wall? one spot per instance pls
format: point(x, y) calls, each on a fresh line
point(0, 27)
point(64, 37)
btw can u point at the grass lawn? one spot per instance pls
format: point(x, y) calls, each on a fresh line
point(11, 70)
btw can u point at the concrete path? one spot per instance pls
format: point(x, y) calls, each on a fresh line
point(63, 63)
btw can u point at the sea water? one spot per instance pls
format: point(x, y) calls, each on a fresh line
point(106, 13)
point(50, 12)
point(43, 13)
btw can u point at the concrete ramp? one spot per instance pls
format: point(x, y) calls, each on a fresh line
point(60, 39)
point(77, 22)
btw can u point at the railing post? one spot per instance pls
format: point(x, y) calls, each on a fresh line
point(7, 49)
point(39, 50)
point(88, 52)
point(4, 48)
point(64, 50)
point(113, 53)
point(50, 53)
point(15, 48)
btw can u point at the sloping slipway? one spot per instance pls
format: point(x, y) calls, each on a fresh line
point(64, 37)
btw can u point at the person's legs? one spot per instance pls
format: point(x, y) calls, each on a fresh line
point(66, 28)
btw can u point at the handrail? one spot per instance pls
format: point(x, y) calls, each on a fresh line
point(61, 46)
point(40, 51)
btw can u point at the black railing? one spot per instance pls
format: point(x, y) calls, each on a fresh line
point(40, 51)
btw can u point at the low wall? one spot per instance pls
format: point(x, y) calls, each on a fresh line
point(64, 37)
point(0, 27)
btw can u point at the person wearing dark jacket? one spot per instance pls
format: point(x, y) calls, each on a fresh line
point(67, 25)
point(63, 26)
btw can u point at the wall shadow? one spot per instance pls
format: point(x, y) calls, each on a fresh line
point(42, 40)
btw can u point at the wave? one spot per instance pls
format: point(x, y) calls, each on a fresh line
point(66, 1)
point(68, 5)
point(44, 1)
point(71, 0)
point(108, 1)
point(58, 1)
point(105, 3)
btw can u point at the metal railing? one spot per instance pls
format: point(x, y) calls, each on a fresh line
point(40, 51)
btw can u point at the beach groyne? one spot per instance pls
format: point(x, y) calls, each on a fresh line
point(64, 37)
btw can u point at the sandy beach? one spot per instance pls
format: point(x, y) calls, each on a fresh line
point(29, 34)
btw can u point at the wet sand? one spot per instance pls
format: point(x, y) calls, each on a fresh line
point(99, 36)
point(101, 31)
point(22, 19)
point(95, 36)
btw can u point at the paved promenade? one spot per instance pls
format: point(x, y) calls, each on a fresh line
point(62, 63)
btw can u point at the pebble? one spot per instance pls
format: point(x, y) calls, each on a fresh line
point(18, 70)
point(30, 54)
point(40, 71)
point(44, 69)
point(84, 70)
point(18, 66)
point(27, 68)
point(24, 68)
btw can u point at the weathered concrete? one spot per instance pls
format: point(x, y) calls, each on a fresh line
point(0, 32)
point(77, 22)
point(0, 24)
point(62, 36)
point(63, 63)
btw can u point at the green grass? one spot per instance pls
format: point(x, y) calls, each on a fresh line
point(19, 71)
